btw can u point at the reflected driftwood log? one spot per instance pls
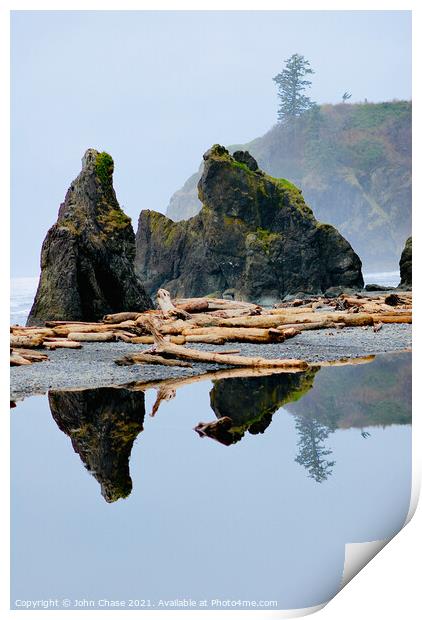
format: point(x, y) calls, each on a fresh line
point(233, 373)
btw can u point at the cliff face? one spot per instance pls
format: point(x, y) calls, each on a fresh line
point(254, 238)
point(406, 265)
point(87, 256)
point(102, 424)
point(353, 163)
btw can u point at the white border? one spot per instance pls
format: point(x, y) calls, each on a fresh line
point(389, 586)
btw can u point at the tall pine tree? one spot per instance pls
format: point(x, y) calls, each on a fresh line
point(291, 85)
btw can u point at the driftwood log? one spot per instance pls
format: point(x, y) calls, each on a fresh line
point(120, 317)
point(168, 308)
point(91, 337)
point(163, 346)
point(26, 342)
point(23, 357)
point(148, 358)
point(62, 343)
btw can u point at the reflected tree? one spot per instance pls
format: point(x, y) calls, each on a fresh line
point(312, 453)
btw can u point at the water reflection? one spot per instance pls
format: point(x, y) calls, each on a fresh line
point(312, 451)
point(103, 423)
point(248, 404)
point(375, 394)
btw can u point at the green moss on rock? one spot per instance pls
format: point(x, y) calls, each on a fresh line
point(266, 238)
point(104, 167)
point(114, 219)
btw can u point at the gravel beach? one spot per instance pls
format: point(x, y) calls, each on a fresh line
point(93, 365)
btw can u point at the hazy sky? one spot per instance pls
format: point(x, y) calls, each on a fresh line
point(156, 89)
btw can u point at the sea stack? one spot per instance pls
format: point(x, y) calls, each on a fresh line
point(254, 239)
point(87, 258)
point(406, 265)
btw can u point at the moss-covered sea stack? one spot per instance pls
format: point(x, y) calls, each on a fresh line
point(87, 258)
point(254, 238)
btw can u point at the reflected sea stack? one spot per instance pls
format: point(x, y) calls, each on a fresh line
point(248, 404)
point(102, 424)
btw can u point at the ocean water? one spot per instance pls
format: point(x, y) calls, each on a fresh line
point(385, 278)
point(22, 292)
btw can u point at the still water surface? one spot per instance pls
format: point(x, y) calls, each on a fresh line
point(255, 507)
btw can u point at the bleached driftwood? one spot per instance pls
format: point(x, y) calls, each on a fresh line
point(167, 307)
point(163, 346)
point(62, 343)
point(217, 321)
point(28, 342)
point(18, 360)
point(91, 337)
point(119, 317)
point(23, 357)
point(194, 305)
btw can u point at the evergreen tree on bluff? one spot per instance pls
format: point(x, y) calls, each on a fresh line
point(291, 84)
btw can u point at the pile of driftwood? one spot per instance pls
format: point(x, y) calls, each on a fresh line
point(212, 321)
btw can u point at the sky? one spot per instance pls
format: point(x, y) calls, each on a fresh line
point(156, 89)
